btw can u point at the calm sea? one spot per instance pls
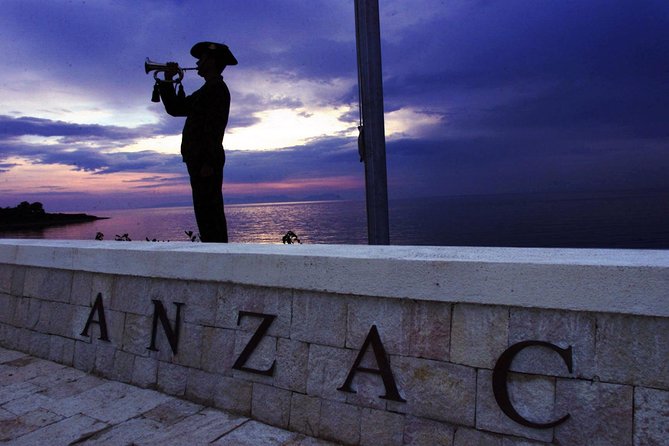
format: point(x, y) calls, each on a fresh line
point(534, 220)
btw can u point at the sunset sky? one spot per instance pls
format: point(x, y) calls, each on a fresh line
point(481, 96)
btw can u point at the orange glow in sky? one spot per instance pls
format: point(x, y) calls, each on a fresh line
point(32, 178)
point(330, 184)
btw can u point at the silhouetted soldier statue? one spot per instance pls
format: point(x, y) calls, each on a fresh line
point(206, 112)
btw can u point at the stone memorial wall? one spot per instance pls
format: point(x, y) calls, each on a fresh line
point(363, 345)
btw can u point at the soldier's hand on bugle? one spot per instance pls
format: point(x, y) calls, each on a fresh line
point(171, 71)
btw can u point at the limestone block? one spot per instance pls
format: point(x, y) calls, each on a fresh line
point(328, 368)
point(292, 362)
point(84, 356)
point(115, 402)
point(203, 427)
point(60, 318)
point(200, 386)
point(651, 417)
point(172, 378)
point(262, 357)
point(218, 350)
point(234, 395)
point(471, 437)
point(199, 298)
point(319, 318)
point(393, 320)
point(533, 397)
point(381, 428)
point(25, 339)
point(61, 350)
point(271, 405)
point(340, 422)
point(305, 412)
point(18, 317)
point(562, 328)
point(253, 433)
point(421, 431)
point(54, 379)
point(172, 411)
point(18, 281)
point(136, 334)
point(44, 319)
point(600, 414)
point(67, 351)
point(435, 390)
point(86, 287)
point(479, 334)
point(27, 403)
point(131, 294)
point(10, 336)
point(144, 372)
point(102, 284)
point(48, 284)
point(6, 272)
point(40, 344)
point(14, 391)
point(272, 301)
point(82, 288)
point(65, 431)
point(65, 383)
point(27, 423)
point(515, 441)
point(430, 331)
point(633, 350)
point(124, 365)
point(189, 347)
point(104, 358)
point(27, 312)
point(7, 308)
point(27, 368)
point(126, 433)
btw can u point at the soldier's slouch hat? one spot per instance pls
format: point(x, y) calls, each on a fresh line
point(220, 51)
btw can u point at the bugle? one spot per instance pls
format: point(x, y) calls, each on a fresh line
point(157, 67)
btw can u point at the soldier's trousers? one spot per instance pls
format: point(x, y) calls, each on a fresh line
point(208, 204)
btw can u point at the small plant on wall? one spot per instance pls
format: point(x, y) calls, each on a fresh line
point(290, 238)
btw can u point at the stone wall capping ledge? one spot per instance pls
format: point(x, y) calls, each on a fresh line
point(614, 281)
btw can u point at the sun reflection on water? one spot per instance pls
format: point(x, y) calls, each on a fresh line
point(313, 222)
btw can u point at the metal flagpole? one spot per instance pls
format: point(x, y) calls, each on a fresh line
point(372, 137)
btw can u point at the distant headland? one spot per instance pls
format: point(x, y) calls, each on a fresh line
point(33, 215)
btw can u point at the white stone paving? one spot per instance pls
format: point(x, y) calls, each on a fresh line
point(45, 403)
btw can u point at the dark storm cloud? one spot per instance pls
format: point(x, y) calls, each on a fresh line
point(23, 126)
point(320, 158)
point(565, 94)
point(508, 48)
point(157, 182)
point(84, 147)
point(93, 160)
point(534, 95)
point(517, 164)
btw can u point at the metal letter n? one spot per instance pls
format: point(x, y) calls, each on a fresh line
point(172, 334)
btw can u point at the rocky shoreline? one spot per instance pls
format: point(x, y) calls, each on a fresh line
point(27, 215)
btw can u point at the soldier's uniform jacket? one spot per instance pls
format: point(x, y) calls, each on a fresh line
point(206, 111)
